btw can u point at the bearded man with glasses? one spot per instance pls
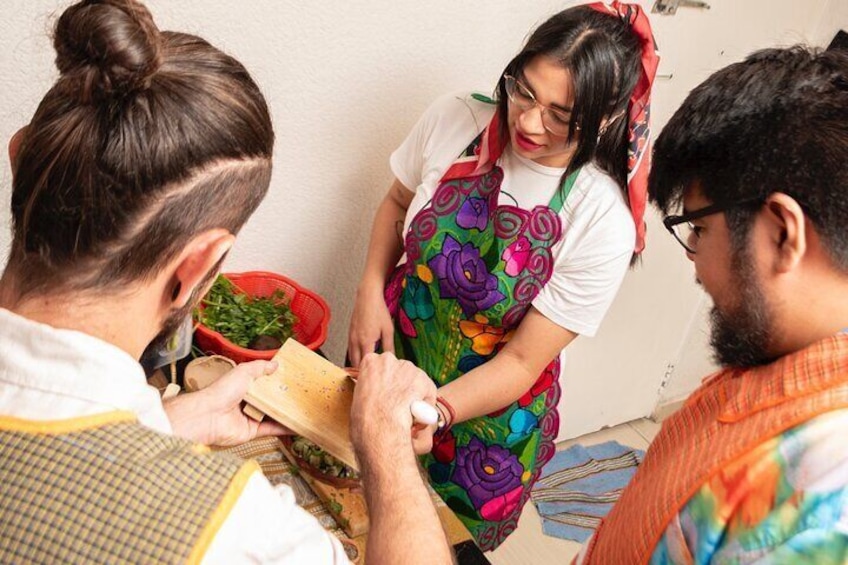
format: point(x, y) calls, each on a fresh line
point(754, 467)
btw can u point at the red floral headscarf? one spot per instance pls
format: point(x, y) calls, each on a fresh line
point(639, 153)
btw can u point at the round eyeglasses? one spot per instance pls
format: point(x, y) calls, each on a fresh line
point(686, 233)
point(555, 121)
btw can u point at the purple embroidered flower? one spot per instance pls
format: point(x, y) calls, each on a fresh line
point(463, 275)
point(490, 475)
point(474, 213)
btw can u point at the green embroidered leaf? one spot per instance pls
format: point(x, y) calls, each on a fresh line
point(461, 507)
point(483, 98)
point(518, 448)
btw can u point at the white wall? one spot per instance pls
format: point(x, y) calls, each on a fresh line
point(835, 17)
point(692, 361)
point(347, 79)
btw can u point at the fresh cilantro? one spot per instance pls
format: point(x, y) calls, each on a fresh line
point(335, 507)
point(240, 318)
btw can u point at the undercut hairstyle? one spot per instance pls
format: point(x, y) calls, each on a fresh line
point(146, 139)
point(775, 122)
point(602, 55)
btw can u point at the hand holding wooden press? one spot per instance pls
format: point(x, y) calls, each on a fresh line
point(380, 421)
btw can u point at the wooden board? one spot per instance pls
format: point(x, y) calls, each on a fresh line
point(310, 396)
point(345, 504)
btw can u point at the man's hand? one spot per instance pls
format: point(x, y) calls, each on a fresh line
point(422, 438)
point(213, 416)
point(395, 493)
point(380, 418)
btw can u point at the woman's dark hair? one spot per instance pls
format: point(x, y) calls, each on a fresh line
point(602, 55)
point(146, 139)
point(775, 122)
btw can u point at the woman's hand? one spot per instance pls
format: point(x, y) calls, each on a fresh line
point(370, 324)
point(422, 438)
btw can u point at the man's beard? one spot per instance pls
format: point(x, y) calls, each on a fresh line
point(175, 319)
point(741, 338)
point(169, 327)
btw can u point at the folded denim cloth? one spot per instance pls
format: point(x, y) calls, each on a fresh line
point(579, 486)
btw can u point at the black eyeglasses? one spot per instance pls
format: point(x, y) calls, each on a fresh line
point(686, 234)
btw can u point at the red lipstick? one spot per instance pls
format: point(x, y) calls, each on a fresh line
point(525, 143)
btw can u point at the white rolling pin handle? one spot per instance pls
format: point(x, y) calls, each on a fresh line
point(424, 413)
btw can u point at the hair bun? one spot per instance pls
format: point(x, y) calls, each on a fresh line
point(107, 47)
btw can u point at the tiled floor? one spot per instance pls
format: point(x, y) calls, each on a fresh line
point(528, 544)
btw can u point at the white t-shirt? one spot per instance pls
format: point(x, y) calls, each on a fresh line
point(598, 234)
point(49, 374)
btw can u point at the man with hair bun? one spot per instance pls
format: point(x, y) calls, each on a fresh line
point(754, 467)
point(130, 183)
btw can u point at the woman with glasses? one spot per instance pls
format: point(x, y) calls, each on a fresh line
point(520, 217)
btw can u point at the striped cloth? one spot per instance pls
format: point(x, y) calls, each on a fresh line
point(579, 486)
point(268, 453)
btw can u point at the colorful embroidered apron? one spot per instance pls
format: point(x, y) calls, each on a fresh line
point(473, 268)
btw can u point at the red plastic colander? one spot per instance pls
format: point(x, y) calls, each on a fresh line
point(313, 316)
